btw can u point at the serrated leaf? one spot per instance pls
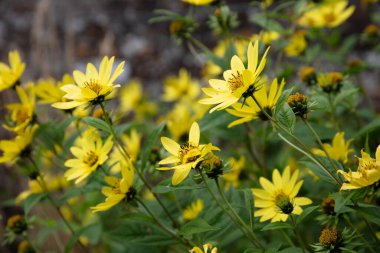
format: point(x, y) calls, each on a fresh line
point(276, 225)
point(196, 226)
point(97, 123)
point(286, 117)
point(152, 139)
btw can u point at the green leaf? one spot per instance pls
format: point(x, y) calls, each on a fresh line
point(342, 200)
point(267, 23)
point(196, 226)
point(286, 117)
point(97, 123)
point(276, 225)
point(291, 250)
point(373, 125)
point(152, 139)
point(93, 231)
point(306, 213)
point(345, 94)
point(32, 200)
point(52, 133)
point(370, 212)
point(249, 204)
point(160, 189)
point(282, 100)
point(321, 173)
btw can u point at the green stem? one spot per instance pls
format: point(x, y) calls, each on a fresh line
point(305, 150)
point(320, 143)
point(253, 153)
point(333, 112)
point(287, 237)
point(41, 181)
point(163, 227)
point(220, 190)
point(347, 219)
point(124, 152)
point(296, 232)
point(225, 210)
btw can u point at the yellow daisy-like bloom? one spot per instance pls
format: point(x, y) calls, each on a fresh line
point(92, 86)
point(267, 37)
point(121, 189)
point(339, 150)
point(192, 211)
point(49, 90)
point(198, 2)
point(207, 248)
point(90, 153)
point(132, 100)
point(277, 200)
point(251, 110)
point(237, 81)
point(19, 146)
point(132, 144)
point(10, 75)
point(185, 157)
point(330, 14)
point(368, 172)
point(296, 45)
point(182, 87)
point(21, 114)
point(232, 177)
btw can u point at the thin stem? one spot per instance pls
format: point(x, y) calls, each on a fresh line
point(333, 112)
point(298, 236)
point(41, 181)
point(347, 219)
point(305, 149)
point(236, 214)
point(166, 229)
point(252, 151)
point(225, 210)
point(124, 152)
point(319, 142)
point(287, 237)
point(372, 231)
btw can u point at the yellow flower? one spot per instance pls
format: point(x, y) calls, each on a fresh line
point(206, 248)
point(296, 45)
point(182, 87)
point(237, 81)
point(180, 118)
point(198, 2)
point(339, 150)
point(21, 114)
point(132, 100)
point(132, 144)
point(92, 86)
point(121, 189)
point(192, 211)
point(49, 90)
point(368, 172)
point(266, 36)
point(251, 110)
point(90, 153)
point(277, 200)
point(10, 75)
point(185, 157)
point(19, 146)
point(25, 247)
point(232, 177)
point(330, 14)
point(330, 82)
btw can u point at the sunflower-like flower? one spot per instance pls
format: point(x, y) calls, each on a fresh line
point(91, 87)
point(186, 156)
point(49, 90)
point(118, 189)
point(278, 200)
point(250, 110)
point(192, 211)
point(238, 81)
point(296, 45)
point(90, 153)
point(182, 87)
point(329, 14)
point(21, 114)
point(207, 248)
point(339, 150)
point(368, 172)
point(19, 146)
point(10, 75)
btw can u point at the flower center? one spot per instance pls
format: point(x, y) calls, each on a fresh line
point(283, 202)
point(188, 153)
point(93, 85)
point(90, 158)
point(366, 166)
point(236, 81)
point(22, 115)
point(329, 17)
